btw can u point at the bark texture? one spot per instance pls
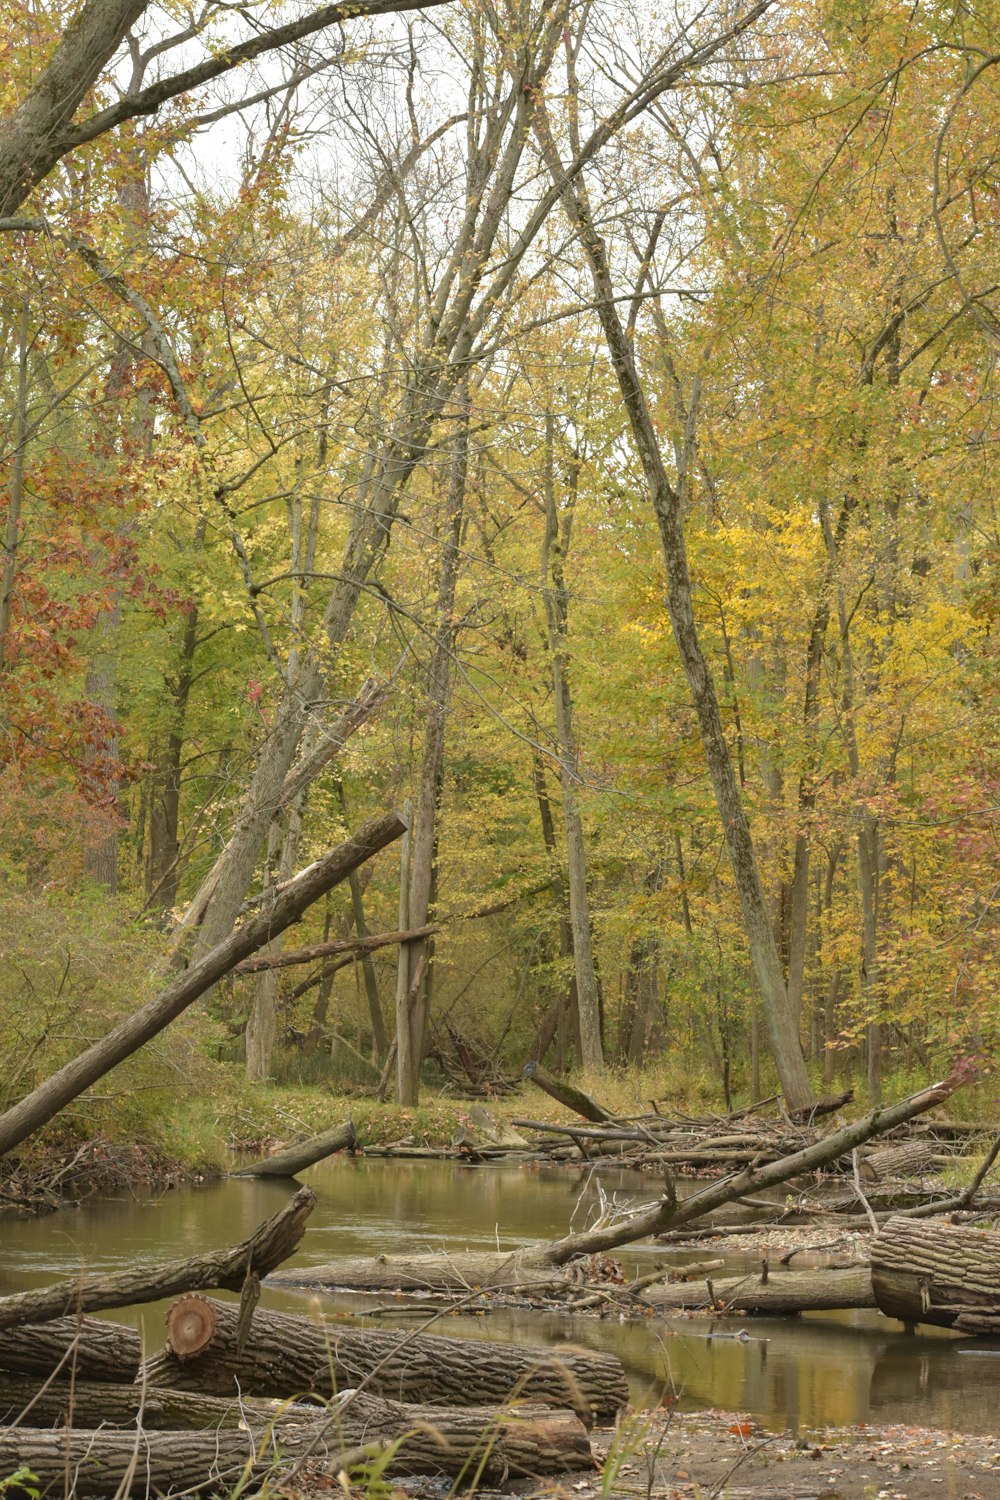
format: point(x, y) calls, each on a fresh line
point(565, 1093)
point(290, 1356)
point(90, 1348)
point(783, 1292)
point(530, 1440)
point(929, 1271)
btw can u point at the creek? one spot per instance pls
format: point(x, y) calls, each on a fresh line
point(832, 1369)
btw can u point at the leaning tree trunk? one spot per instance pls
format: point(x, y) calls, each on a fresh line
point(288, 1356)
point(929, 1271)
point(232, 1269)
point(150, 1019)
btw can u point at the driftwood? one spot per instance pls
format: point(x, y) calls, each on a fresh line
point(934, 1272)
point(230, 1269)
point(669, 1214)
point(523, 1440)
point(89, 1348)
point(306, 1154)
point(564, 1093)
point(293, 1356)
point(453, 1272)
point(782, 1292)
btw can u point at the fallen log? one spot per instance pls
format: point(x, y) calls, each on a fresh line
point(565, 1093)
point(912, 1159)
point(940, 1273)
point(229, 1269)
point(782, 1292)
point(306, 1154)
point(669, 1214)
point(293, 1356)
point(82, 1463)
point(89, 1348)
point(524, 1440)
point(461, 1271)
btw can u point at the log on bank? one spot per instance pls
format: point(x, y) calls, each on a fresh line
point(286, 1356)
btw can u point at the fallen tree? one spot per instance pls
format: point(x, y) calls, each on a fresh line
point(292, 1356)
point(532, 1440)
point(539, 1266)
point(87, 1348)
point(234, 1269)
point(306, 1154)
point(294, 898)
point(940, 1273)
point(781, 1292)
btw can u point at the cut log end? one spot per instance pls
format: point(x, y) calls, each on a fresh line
point(191, 1325)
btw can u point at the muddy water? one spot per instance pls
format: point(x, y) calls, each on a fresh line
point(796, 1373)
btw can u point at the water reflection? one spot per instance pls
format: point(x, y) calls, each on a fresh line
point(788, 1372)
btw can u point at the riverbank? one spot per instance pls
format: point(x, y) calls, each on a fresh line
point(669, 1456)
point(713, 1455)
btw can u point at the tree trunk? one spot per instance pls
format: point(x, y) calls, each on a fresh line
point(423, 855)
point(272, 1436)
point(49, 1098)
point(669, 511)
point(227, 1270)
point(285, 1356)
point(930, 1271)
point(782, 1292)
point(82, 1463)
point(555, 549)
point(298, 1158)
point(565, 1093)
point(87, 1348)
point(454, 1271)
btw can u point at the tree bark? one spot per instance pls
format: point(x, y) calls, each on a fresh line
point(287, 1356)
point(555, 548)
point(453, 1272)
point(297, 1158)
point(103, 1463)
point(929, 1271)
point(273, 1435)
point(565, 1093)
point(46, 1101)
point(783, 1292)
point(228, 1269)
point(90, 1348)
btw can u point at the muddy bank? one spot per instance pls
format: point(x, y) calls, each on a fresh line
point(667, 1456)
point(51, 1177)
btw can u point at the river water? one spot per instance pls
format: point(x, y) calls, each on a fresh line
point(788, 1373)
